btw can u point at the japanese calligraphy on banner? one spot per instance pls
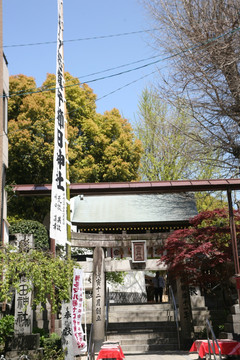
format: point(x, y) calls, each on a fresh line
point(77, 309)
point(58, 218)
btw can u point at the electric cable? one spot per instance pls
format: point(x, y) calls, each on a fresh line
point(87, 82)
point(95, 73)
point(98, 99)
point(82, 39)
point(122, 87)
point(117, 67)
point(208, 42)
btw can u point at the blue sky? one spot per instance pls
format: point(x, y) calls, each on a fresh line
point(32, 21)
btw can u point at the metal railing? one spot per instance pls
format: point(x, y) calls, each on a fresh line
point(91, 354)
point(174, 305)
point(212, 342)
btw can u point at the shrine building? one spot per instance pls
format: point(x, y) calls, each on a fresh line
point(128, 222)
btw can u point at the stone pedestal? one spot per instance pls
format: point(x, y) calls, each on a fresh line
point(200, 312)
point(23, 342)
point(185, 312)
point(67, 330)
point(18, 345)
point(232, 326)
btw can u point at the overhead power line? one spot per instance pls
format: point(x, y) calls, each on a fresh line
point(19, 93)
point(192, 48)
point(102, 97)
point(83, 39)
point(91, 74)
point(122, 87)
point(118, 67)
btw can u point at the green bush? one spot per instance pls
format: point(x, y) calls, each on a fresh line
point(52, 347)
point(115, 277)
point(31, 227)
point(40, 331)
point(6, 328)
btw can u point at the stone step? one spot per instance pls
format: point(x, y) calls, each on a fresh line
point(200, 317)
point(140, 313)
point(146, 326)
point(142, 335)
point(143, 328)
point(232, 328)
point(139, 307)
point(139, 340)
point(199, 328)
point(200, 311)
point(154, 341)
point(144, 348)
point(136, 317)
point(233, 318)
point(235, 309)
point(225, 335)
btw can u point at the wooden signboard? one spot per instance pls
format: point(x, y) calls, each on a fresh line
point(139, 251)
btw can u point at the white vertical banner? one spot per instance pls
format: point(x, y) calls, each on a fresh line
point(79, 344)
point(58, 216)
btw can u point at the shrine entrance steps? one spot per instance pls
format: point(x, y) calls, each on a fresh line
point(140, 328)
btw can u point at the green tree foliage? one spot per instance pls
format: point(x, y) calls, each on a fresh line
point(169, 151)
point(108, 152)
point(101, 147)
point(35, 228)
point(49, 276)
point(31, 207)
point(210, 201)
point(115, 277)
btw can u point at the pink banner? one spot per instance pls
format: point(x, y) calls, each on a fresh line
point(77, 310)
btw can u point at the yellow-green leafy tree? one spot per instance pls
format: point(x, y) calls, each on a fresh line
point(170, 152)
point(101, 147)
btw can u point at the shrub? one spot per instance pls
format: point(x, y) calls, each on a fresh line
point(52, 347)
point(32, 227)
point(6, 328)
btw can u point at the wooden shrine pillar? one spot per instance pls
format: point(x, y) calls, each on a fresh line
point(234, 242)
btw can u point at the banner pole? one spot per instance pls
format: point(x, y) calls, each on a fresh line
point(52, 319)
point(60, 225)
point(68, 214)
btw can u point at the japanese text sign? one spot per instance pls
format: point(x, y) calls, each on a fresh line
point(77, 310)
point(58, 219)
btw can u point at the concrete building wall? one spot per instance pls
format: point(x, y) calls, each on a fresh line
point(5, 111)
point(1, 114)
point(4, 90)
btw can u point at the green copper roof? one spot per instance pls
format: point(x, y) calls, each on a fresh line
point(135, 208)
